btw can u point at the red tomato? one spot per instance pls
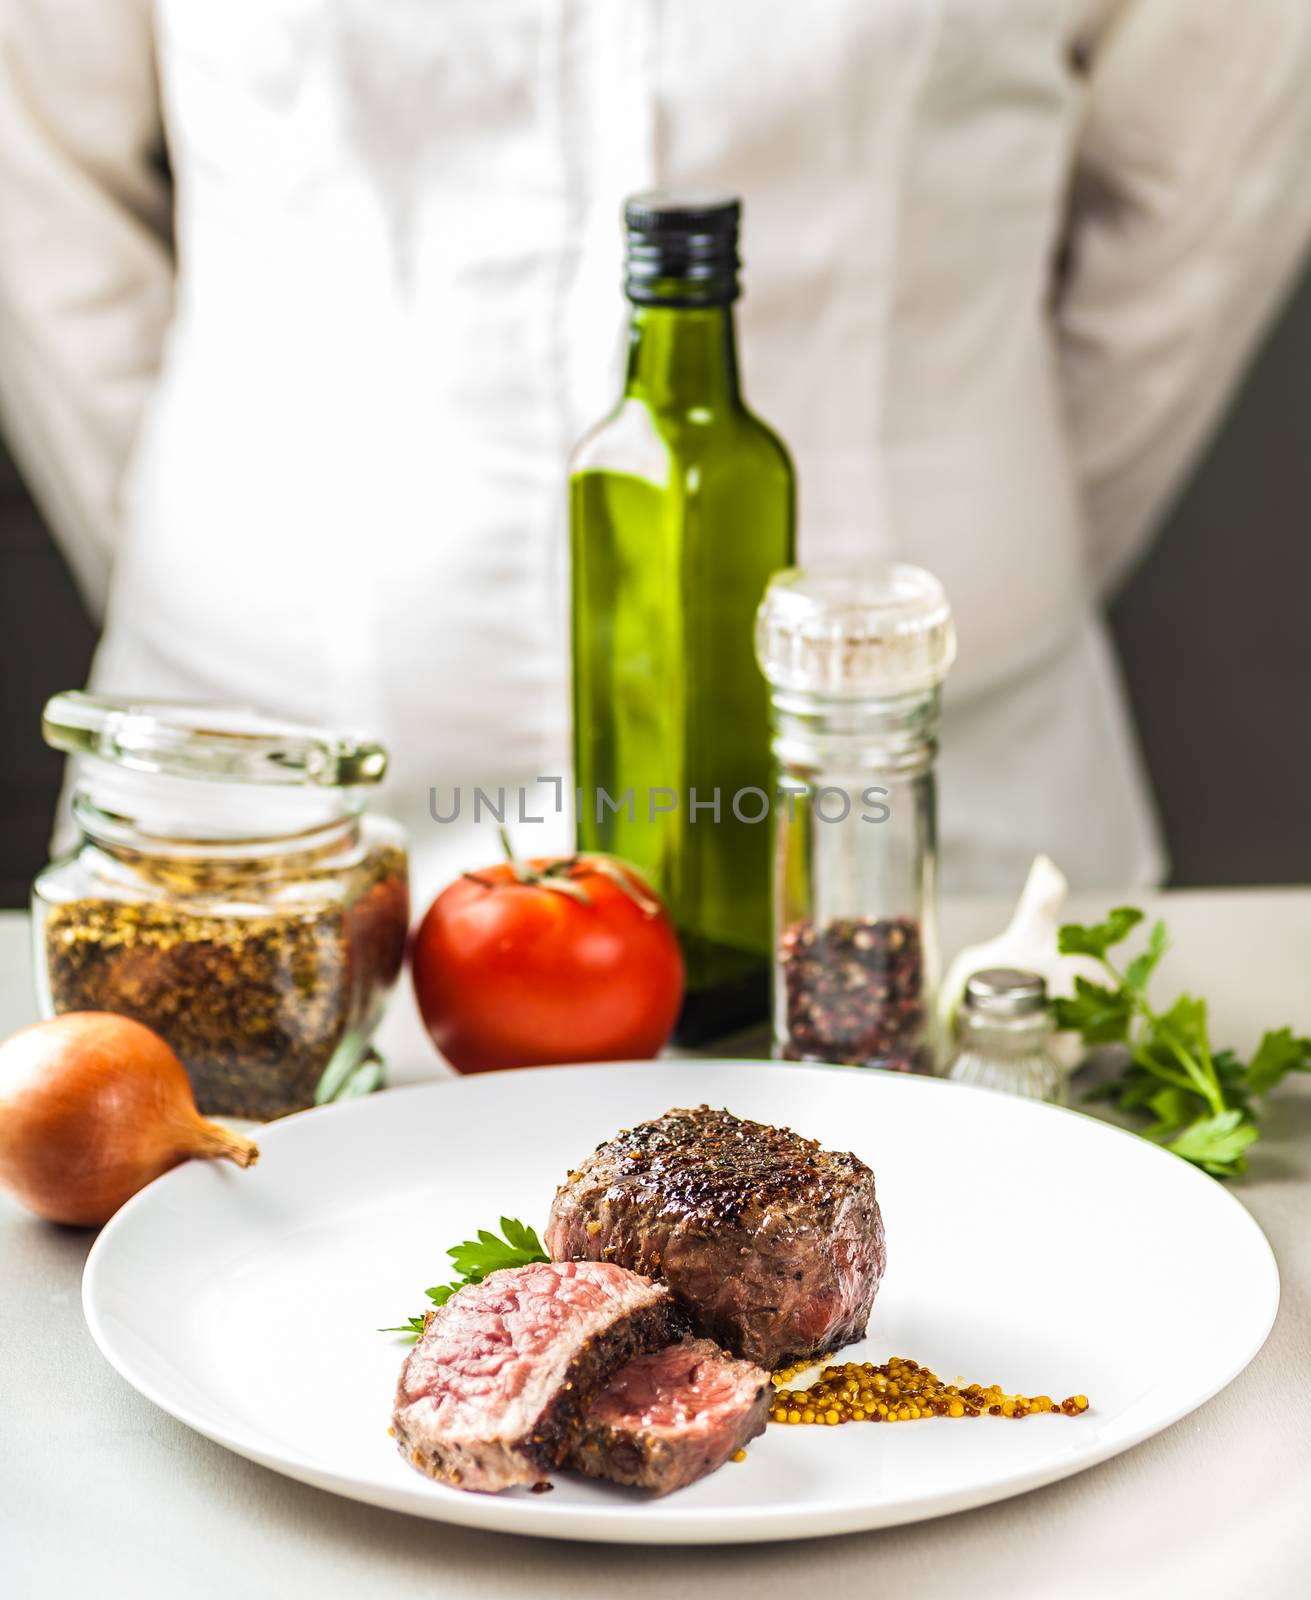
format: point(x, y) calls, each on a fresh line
point(510, 973)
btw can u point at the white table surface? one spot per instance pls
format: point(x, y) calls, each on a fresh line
point(98, 1488)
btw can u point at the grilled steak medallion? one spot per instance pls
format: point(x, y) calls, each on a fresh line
point(774, 1246)
point(492, 1393)
point(670, 1417)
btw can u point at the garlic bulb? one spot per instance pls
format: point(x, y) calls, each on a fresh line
point(1028, 942)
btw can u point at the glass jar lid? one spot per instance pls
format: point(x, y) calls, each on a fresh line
point(194, 739)
point(875, 629)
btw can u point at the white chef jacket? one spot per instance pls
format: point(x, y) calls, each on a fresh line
point(1005, 260)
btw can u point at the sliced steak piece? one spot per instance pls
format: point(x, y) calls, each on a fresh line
point(670, 1417)
point(773, 1246)
point(492, 1393)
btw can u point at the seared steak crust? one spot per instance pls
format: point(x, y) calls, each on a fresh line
point(492, 1393)
point(670, 1417)
point(649, 1329)
point(774, 1246)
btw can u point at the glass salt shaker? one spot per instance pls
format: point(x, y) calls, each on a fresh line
point(854, 657)
point(1004, 1030)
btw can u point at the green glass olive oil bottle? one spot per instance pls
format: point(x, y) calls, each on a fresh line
point(682, 505)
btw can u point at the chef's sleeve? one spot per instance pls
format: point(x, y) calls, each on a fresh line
point(1190, 217)
point(86, 269)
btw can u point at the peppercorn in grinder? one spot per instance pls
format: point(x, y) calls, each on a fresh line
point(855, 657)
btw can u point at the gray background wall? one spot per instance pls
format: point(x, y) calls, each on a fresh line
point(1215, 633)
point(45, 644)
point(1214, 630)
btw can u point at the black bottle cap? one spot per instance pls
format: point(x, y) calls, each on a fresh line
point(682, 249)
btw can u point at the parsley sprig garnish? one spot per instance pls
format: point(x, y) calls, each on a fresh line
point(475, 1258)
point(1202, 1101)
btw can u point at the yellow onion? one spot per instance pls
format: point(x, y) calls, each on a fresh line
point(92, 1108)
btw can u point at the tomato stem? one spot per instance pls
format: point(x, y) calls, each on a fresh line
point(522, 873)
point(560, 874)
point(617, 876)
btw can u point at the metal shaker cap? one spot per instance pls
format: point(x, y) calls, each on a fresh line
point(880, 628)
point(1003, 993)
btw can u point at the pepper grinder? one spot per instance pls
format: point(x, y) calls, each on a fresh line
point(854, 658)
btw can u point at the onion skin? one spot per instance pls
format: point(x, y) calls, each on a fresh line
point(92, 1108)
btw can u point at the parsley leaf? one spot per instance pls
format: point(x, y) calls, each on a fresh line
point(1202, 1101)
point(1277, 1054)
point(1141, 967)
point(412, 1325)
point(475, 1258)
point(1076, 939)
point(1173, 1108)
point(1184, 1022)
point(1100, 1014)
point(1217, 1143)
point(519, 1246)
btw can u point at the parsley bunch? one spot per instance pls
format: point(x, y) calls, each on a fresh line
point(475, 1258)
point(1202, 1101)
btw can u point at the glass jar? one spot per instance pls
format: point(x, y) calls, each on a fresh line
point(227, 889)
point(1004, 1031)
point(854, 658)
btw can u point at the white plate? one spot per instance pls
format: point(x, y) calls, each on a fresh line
point(1029, 1246)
